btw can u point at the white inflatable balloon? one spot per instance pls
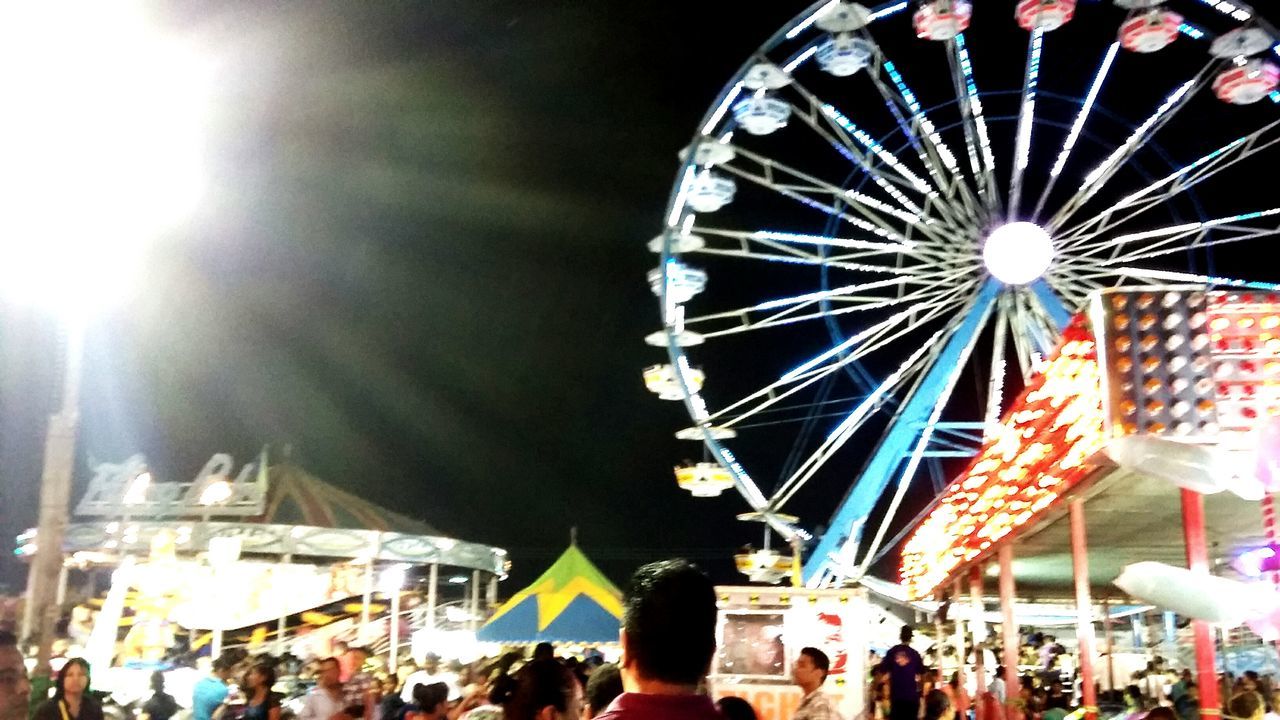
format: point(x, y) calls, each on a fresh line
point(1204, 469)
point(1198, 596)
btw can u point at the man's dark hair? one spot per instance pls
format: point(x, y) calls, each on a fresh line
point(1245, 705)
point(544, 651)
point(428, 697)
point(819, 658)
point(8, 639)
point(905, 634)
point(603, 686)
point(669, 619)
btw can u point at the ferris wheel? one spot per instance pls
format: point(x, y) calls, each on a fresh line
point(889, 213)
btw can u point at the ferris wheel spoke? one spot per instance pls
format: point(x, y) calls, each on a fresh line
point(790, 242)
point(1075, 290)
point(1167, 188)
point(925, 138)
point(926, 435)
point(841, 434)
point(999, 350)
point(841, 133)
point(779, 176)
point(1099, 79)
point(1182, 237)
point(1098, 178)
point(742, 319)
point(850, 350)
point(860, 255)
point(977, 138)
point(1026, 119)
point(1172, 276)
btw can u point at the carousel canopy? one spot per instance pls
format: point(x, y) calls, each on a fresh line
point(572, 602)
point(295, 497)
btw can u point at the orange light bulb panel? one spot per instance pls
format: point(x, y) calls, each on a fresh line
point(1039, 451)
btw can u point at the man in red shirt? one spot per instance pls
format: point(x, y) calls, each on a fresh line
point(668, 638)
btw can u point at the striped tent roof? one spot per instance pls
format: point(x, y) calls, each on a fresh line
point(571, 602)
point(295, 497)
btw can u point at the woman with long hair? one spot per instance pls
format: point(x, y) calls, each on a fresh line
point(544, 690)
point(260, 702)
point(71, 699)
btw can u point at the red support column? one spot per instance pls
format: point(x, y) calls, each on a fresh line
point(1010, 631)
point(1084, 610)
point(978, 610)
point(1198, 562)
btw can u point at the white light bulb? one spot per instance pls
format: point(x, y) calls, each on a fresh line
point(1017, 253)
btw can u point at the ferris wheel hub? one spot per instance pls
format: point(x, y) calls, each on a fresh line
point(1017, 253)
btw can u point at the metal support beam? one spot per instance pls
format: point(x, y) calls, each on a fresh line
point(1009, 629)
point(1051, 304)
point(901, 436)
point(1084, 609)
point(979, 653)
point(1198, 562)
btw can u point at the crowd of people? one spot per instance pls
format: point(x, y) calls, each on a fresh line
point(668, 639)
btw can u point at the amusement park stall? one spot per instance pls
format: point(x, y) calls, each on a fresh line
point(1141, 458)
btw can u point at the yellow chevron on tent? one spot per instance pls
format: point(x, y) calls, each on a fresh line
point(571, 602)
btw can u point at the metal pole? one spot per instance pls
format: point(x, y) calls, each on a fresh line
point(55, 496)
point(1198, 562)
point(475, 599)
point(979, 653)
point(215, 645)
point(957, 593)
point(433, 579)
point(1010, 628)
point(1084, 609)
point(281, 622)
point(492, 594)
point(366, 600)
point(62, 585)
point(1111, 648)
point(394, 631)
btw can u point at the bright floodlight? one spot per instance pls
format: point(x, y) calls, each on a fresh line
point(101, 139)
point(1017, 253)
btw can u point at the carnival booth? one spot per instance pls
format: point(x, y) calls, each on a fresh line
point(572, 603)
point(1140, 459)
point(233, 550)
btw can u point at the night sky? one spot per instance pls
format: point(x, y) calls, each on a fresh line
point(420, 266)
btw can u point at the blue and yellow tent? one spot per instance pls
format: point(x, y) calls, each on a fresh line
point(572, 602)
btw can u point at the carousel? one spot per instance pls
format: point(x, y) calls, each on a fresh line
point(248, 549)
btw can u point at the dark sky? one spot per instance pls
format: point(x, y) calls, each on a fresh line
point(420, 264)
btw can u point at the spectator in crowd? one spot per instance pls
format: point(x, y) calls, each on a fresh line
point(603, 686)
point(71, 699)
point(937, 706)
point(810, 672)
point(210, 691)
point(997, 686)
point(391, 704)
point(544, 651)
point(1180, 688)
point(361, 687)
point(904, 666)
point(544, 690)
point(1246, 705)
point(325, 701)
point(429, 673)
point(260, 702)
point(735, 708)
point(15, 689)
point(161, 705)
point(500, 689)
point(1188, 703)
point(430, 702)
point(668, 638)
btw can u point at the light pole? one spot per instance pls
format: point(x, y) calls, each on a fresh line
point(55, 494)
point(102, 144)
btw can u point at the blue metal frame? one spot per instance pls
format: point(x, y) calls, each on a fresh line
point(901, 436)
point(1052, 304)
